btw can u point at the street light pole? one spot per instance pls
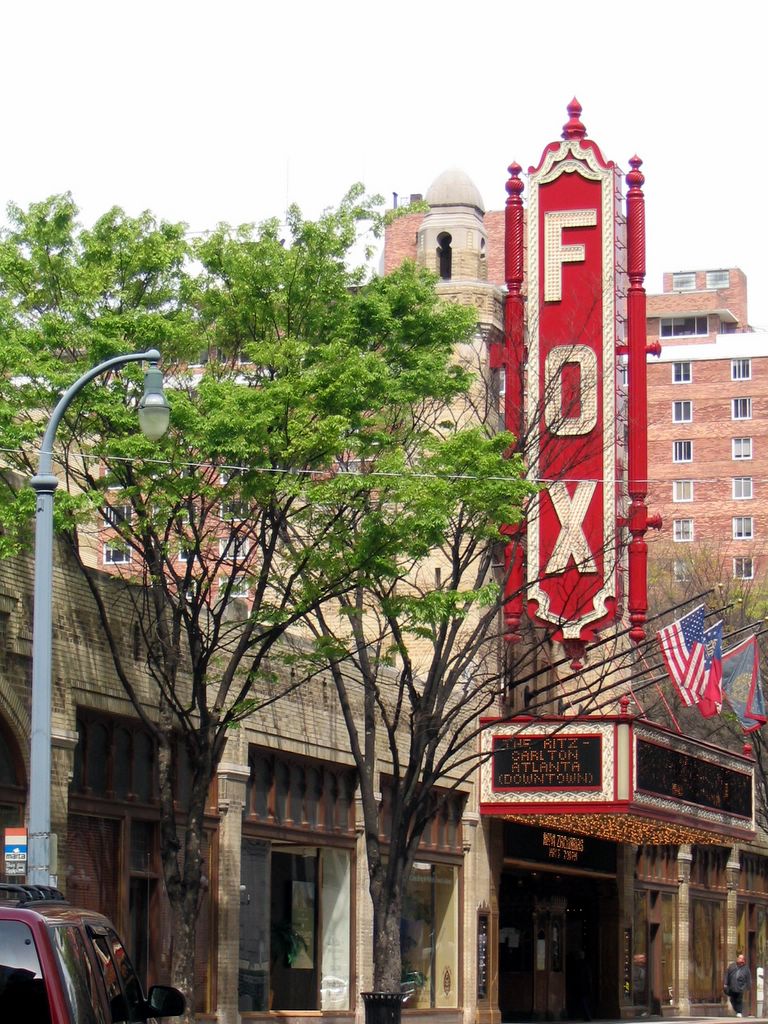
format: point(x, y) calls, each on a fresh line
point(153, 417)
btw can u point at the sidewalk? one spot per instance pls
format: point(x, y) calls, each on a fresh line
point(654, 1018)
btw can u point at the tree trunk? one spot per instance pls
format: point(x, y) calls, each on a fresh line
point(181, 850)
point(387, 960)
point(183, 956)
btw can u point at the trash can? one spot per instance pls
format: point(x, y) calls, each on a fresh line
point(382, 1007)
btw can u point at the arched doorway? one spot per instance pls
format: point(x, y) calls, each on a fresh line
point(13, 789)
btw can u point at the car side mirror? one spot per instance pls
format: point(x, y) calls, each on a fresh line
point(118, 1008)
point(164, 1001)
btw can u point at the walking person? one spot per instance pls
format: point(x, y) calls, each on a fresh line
point(738, 980)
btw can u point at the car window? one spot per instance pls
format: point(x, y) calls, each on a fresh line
point(126, 998)
point(23, 996)
point(77, 974)
point(130, 980)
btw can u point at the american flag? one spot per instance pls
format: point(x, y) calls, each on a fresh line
point(684, 648)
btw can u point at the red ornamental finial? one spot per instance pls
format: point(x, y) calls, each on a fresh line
point(514, 186)
point(635, 178)
point(574, 129)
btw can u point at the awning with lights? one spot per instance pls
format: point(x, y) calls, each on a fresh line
point(618, 778)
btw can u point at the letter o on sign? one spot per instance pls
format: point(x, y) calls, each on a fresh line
point(556, 417)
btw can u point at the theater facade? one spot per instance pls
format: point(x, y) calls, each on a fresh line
point(598, 861)
point(596, 864)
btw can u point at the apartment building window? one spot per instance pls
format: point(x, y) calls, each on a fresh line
point(741, 369)
point(116, 554)
point(742, 528)
point(239, 587)
point(681, 373)
point(682, 490)
point(718, 279)
point(682, 530)
point(741, 408)
point(684, 282)
point(231, 510)
point(681, 570)
point(742, 487)
point(741, 447)
point(684, 326)
point(233, 547)
point(116, 516)
point(229, 474)
point(682, 412)
point(186, 551)
point(682, 451)
point(743, 568)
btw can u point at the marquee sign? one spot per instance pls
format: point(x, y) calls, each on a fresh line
point(615, 777)
point(583, 365)
point(564, 761)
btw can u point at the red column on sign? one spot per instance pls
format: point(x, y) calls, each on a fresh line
point(514, 356)
point(638, 520)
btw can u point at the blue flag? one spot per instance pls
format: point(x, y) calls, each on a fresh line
point(742, 686)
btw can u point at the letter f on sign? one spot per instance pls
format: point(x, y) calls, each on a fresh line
point(556, 253)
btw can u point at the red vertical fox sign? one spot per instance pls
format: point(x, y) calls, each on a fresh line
point(573, 403)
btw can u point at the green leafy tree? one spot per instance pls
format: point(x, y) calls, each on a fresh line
point(285, 370)
point(419, 631)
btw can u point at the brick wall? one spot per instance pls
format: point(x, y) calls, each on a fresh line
point(713, 468)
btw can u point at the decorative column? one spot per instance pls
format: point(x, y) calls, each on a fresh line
point(732, 914)
point(475, 884)
point(363, 967)
point(625, 923)
point(684, 860)
point(513, 368)
point(638, 518)
point(233, 779)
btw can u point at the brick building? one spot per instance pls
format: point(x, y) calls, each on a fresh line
point(707, 430)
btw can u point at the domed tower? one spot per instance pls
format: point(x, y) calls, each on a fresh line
point(452, 239)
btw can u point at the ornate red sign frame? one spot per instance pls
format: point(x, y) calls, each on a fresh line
point(568, 385)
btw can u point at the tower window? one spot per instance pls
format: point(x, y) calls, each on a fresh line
point(444, 255)
point(718, 279)
point(683, 282)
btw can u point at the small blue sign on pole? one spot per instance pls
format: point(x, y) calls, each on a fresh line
point(15, 851)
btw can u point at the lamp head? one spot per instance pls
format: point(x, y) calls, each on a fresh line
point(154, 411)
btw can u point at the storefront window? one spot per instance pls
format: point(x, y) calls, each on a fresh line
point(296, 885)
point(706, 961)
point(335, 946)
point(294, 927)
point(113, 845)
point(429, 937)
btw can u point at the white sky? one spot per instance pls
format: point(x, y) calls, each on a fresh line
point(227, 110)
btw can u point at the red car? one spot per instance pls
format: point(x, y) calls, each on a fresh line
point(64, 965)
